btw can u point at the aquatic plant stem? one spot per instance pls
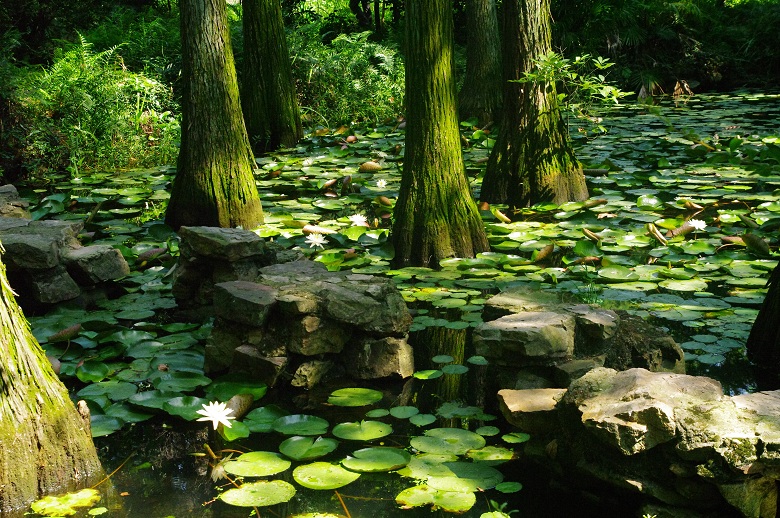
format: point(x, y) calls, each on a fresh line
point(343, 505)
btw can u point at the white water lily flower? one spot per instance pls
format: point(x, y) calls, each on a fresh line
point(217, 413)
point(381, 184)
point(358, 220)
point(697, 224)
point(316, 239)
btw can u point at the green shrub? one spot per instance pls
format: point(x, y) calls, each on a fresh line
point(87, 111)
point(350, 79)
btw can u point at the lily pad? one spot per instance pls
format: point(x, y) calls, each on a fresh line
point(354, 397)
point(185, 406)
point(456, 441)
point(257, 464)
point(404, 412)
point(362, 431)
point(307, 448)
point(300, 424)
point(262, 419)
point(378, 459)
point(323, 476)
point(259, 494)
point(448, 501)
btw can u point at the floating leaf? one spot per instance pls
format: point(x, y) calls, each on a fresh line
point(374, 460)
point(323, 476)
point(301, 424)
point(259, 494)
point(307, 448)
point(456, 441)
point(354, 397)
point(257, 464)
point(362, 431)
point(404, 412)
point(448, 501)
point(422, 419)
point(262, 419)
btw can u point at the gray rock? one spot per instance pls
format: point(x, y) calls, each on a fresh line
point(243, 302)
point(519, 299)
point(372, 358)
point(313, 335)
point(268, 369)
point(95, 264)
point(53, 285)
point(30, 252)
point(531, 410)
point(514, 339)
point(11, 205)
point(309, 374)
point(225, 244)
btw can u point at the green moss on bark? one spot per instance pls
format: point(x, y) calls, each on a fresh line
point(45, 444)
point(435, 215)
point(214, 184)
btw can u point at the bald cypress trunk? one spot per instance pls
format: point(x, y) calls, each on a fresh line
point(435, 215)
point(214, 184)
point(268, 95)
point(45, 444)
point(480, 95)
point(532, 160)
point(763, 344)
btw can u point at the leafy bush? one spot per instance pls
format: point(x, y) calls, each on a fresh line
point(350, 79)
point(87, 111)
point(655, 43)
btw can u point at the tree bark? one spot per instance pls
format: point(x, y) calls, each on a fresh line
point(763, 344)
point(481, 93)
point(268, 96)
point(532, 160)
point(45, 445)
point(214, 184)
point(435, 215)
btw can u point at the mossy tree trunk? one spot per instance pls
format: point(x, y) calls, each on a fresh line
point(481, 93)
point(435, 215)
point(214, 184)
point(763, 344)
point(268, 95)
point(532, 160)
point(45, 444)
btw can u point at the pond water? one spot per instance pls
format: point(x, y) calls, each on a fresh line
point(713, 159)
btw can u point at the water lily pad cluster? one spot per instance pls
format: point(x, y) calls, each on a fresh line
point(446, 467)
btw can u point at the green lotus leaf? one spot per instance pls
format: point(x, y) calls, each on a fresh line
point(307, 448)
point(102, 424)
point(362, 431)
point(378, 412)
point(126, 413)
point(185, 406)
point(115, 390)
point(487, 431)
point(354, 397)
point(448, 501)
point(300, 424)
point(509, 487)
point(237, 430)
point(422, 419)
point(323, 476)
point(152, 398)
point(454, 369)
point(378, 459)
point(262, 419)
point(92, 371)
point(516, 437)
point(455, 441)
point(404, 412)
point(259, 494)
point(257, 464)
point(684, 285)
point(491, 455)
point(179, 381)
point(65, 505)
point(224, 388)
point(618, 273)
point(467, 477)
point(428, 374)
point(442, 358)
